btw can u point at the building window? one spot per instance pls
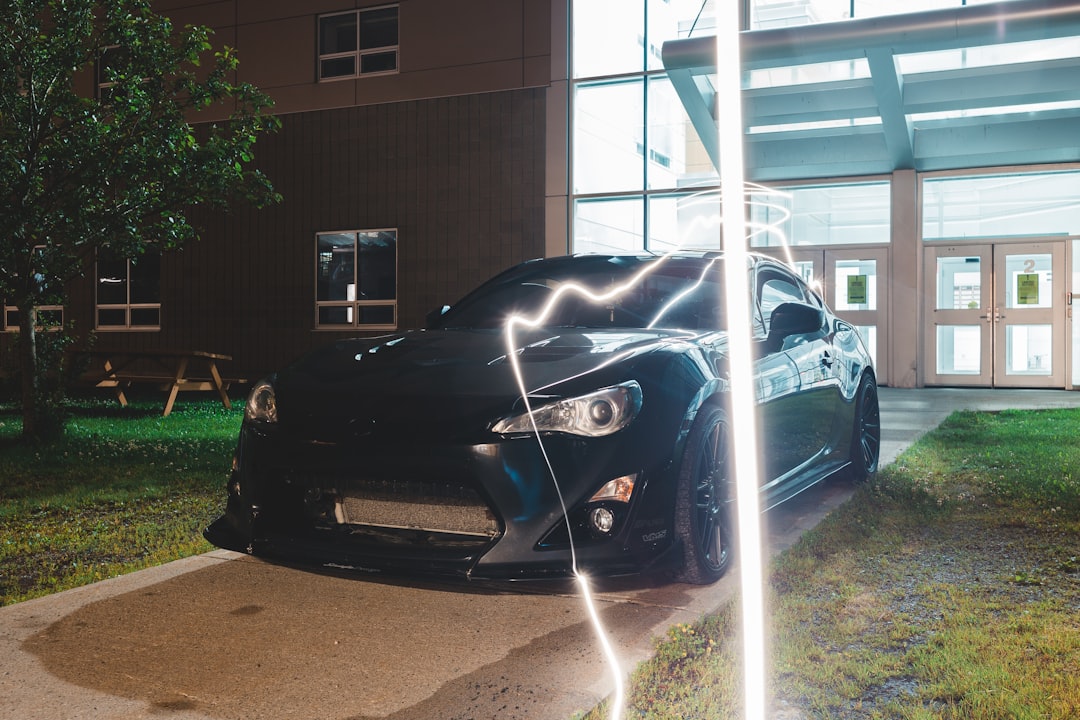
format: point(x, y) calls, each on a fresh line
point(111, 57)
point(50, 317)
point(360, 42)
point(356, 279)
point(129, 291)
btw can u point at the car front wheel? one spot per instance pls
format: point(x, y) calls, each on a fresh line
point(703, 520)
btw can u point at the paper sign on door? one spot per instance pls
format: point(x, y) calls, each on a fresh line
point(1027, 289)
point(856, 289)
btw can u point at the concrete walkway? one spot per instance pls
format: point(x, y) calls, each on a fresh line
point(228, 636)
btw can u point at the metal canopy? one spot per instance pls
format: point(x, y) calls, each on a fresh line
point(883, 119)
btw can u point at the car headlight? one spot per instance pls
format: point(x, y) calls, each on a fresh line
point(599, 413)
point(261, 403)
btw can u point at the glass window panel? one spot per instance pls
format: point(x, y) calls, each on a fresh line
point(338, 67)
point(676, 155)
point(336, 267)
point(609, 225)
point(1030, 281)
point(108, 317)
point(1027, 349)
point(378, 62)
point(1018, 204)
point(145, 317)
point(855, 285)
point(959, 283)
point(145, 274)
point(609, 142)
point(958, 348)
point(112, 280)
point(608, 38)
point(766, 14)
point(335, 315)
point(377, 266)
point(378, 28)
point(676, 19)
point(684, 221)
point(377, 315)
point(337, 34)
point(847, 214)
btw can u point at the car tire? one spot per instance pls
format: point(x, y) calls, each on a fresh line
point(703, 500)
point(866, 432)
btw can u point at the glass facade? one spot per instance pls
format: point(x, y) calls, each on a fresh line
point(842, 214)
point(636, 160)
point(998, 206)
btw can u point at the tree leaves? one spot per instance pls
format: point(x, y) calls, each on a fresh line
point(114, 127)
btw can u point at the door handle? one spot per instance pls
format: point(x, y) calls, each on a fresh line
point(826, 360)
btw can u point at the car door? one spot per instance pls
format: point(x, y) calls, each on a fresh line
point(797, 425)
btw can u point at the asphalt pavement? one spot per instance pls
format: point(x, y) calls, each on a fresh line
point(224, 635)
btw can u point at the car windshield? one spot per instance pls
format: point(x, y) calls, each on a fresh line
point(600, 291)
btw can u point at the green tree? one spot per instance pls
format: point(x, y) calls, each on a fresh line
point(106, 141)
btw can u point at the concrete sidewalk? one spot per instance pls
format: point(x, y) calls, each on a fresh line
point(228, 636)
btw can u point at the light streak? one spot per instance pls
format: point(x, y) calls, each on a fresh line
point(734, 238)
point(512, 355)
point(744, 446)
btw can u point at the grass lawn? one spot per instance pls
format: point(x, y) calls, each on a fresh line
point(947, 588)
point(124, 489)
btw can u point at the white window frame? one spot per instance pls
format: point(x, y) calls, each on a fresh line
point(357, 54)
point(128, 307)
point(354, 305)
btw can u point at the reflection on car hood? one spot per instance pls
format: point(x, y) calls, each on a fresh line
point(449, 378)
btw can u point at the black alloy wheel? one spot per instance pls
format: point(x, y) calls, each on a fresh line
point(703, 504)
point(866, 435)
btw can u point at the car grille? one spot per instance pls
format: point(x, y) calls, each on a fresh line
point(409, 505)
point(419, 506)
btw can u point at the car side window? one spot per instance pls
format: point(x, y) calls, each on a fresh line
point(775, 289)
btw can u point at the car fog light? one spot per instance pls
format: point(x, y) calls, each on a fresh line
point(602, 520)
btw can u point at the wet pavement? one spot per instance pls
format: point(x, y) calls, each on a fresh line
point(224, 635)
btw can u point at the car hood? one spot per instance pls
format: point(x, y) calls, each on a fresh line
point(450, 381)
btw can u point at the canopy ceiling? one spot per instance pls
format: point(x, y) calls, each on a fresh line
point(967, 87)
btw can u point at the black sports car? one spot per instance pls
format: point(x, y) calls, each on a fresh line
point(418, 452)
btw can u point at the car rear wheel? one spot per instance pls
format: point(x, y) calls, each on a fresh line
point(703, 500)
point(866, 434)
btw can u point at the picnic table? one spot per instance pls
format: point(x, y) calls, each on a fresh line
point(169, 369)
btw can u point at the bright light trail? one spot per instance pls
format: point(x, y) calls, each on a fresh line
point(737, 293)
point(512, 355)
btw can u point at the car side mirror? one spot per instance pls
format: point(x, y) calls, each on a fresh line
point(792, 318)
point(433, 319)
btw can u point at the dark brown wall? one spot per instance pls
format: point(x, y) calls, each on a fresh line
point(461, 178)
point(450, 151)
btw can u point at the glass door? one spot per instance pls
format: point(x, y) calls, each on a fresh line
point(994, 316)
point(958, 315)
point(855, 286)
point(1029, 317)
point(851, 281)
